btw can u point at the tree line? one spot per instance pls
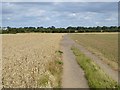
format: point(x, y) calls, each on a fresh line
point(53, 29)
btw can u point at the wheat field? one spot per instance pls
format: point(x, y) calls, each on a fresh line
point(24, 59)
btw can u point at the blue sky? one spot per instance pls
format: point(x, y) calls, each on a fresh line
point(59, 14)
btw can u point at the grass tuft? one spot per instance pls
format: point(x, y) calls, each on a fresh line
point(43, 81)
point(59, 52)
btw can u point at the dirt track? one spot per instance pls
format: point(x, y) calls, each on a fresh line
point(73, 75)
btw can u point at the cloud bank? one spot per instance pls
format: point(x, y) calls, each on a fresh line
point(59, 14)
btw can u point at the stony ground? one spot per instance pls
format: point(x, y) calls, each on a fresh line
point(25, 57)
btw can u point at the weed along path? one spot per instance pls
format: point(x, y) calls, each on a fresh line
point(73, 75)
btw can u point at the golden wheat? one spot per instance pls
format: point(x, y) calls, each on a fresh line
point(25, 57)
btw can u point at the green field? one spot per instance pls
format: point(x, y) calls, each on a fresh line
point(103, 45)
point(96, 77)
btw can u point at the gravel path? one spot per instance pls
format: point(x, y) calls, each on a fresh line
point(73, 75)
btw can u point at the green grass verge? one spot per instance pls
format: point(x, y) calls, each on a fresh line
point(96, 77)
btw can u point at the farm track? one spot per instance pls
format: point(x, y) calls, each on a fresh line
point(73, 75)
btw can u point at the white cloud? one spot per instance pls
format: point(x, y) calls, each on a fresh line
point(87, 17)
point(8, 18)
point(34, 12)
point(108, 19)
point(56, 3)
point(61, 15)
point(9, 5)
point(72, 14)
point(47, 18)
point(112, 17)
point(97, 23)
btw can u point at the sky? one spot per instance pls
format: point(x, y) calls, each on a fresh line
point(59, 14)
